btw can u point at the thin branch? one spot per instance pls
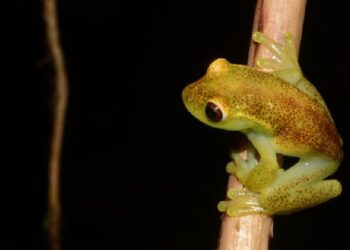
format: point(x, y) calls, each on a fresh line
point(274, 18)
point(60, 96)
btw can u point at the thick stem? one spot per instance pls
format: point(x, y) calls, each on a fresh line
point(274, 18)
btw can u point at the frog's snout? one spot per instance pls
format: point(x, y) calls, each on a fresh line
point(185, 95)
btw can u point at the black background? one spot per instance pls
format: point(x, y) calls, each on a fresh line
point(138, 171)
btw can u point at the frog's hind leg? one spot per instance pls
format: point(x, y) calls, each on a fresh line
point(309, 196)
point(301, 186)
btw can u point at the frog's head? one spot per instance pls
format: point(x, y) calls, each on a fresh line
point(211, 99)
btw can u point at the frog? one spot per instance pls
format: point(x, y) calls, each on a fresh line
point(281, 113)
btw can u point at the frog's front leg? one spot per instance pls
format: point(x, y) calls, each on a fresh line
point(254, 174)
point(284, 64)
point(241, 202)
point(242, 163)
point(267, 168)
point(301, 186)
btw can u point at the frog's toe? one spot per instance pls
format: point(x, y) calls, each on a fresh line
point(248, 162)
point(259, 37)
point(268, 63)
point(239, 170)
point(229, 208)
point(231, 168)
point(289, 40)
point(242, 167)
point(222, 206)
point(233, 193)
point(275, 48)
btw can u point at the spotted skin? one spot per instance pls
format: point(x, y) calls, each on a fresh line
point(277, 116)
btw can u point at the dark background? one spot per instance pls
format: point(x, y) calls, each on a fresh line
point(138, 171)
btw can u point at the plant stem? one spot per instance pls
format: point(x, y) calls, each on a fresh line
point(60, 96)
point(273, 18)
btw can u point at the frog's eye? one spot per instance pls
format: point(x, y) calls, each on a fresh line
point(214, 112)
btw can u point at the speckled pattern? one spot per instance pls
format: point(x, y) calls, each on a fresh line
point(277, 117)
point(297, 123)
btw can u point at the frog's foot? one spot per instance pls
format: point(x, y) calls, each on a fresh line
point(284, 63)
point(240, 167)
point(240, 203)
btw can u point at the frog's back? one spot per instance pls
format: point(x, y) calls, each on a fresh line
point(298, 123)
point(307, 130)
